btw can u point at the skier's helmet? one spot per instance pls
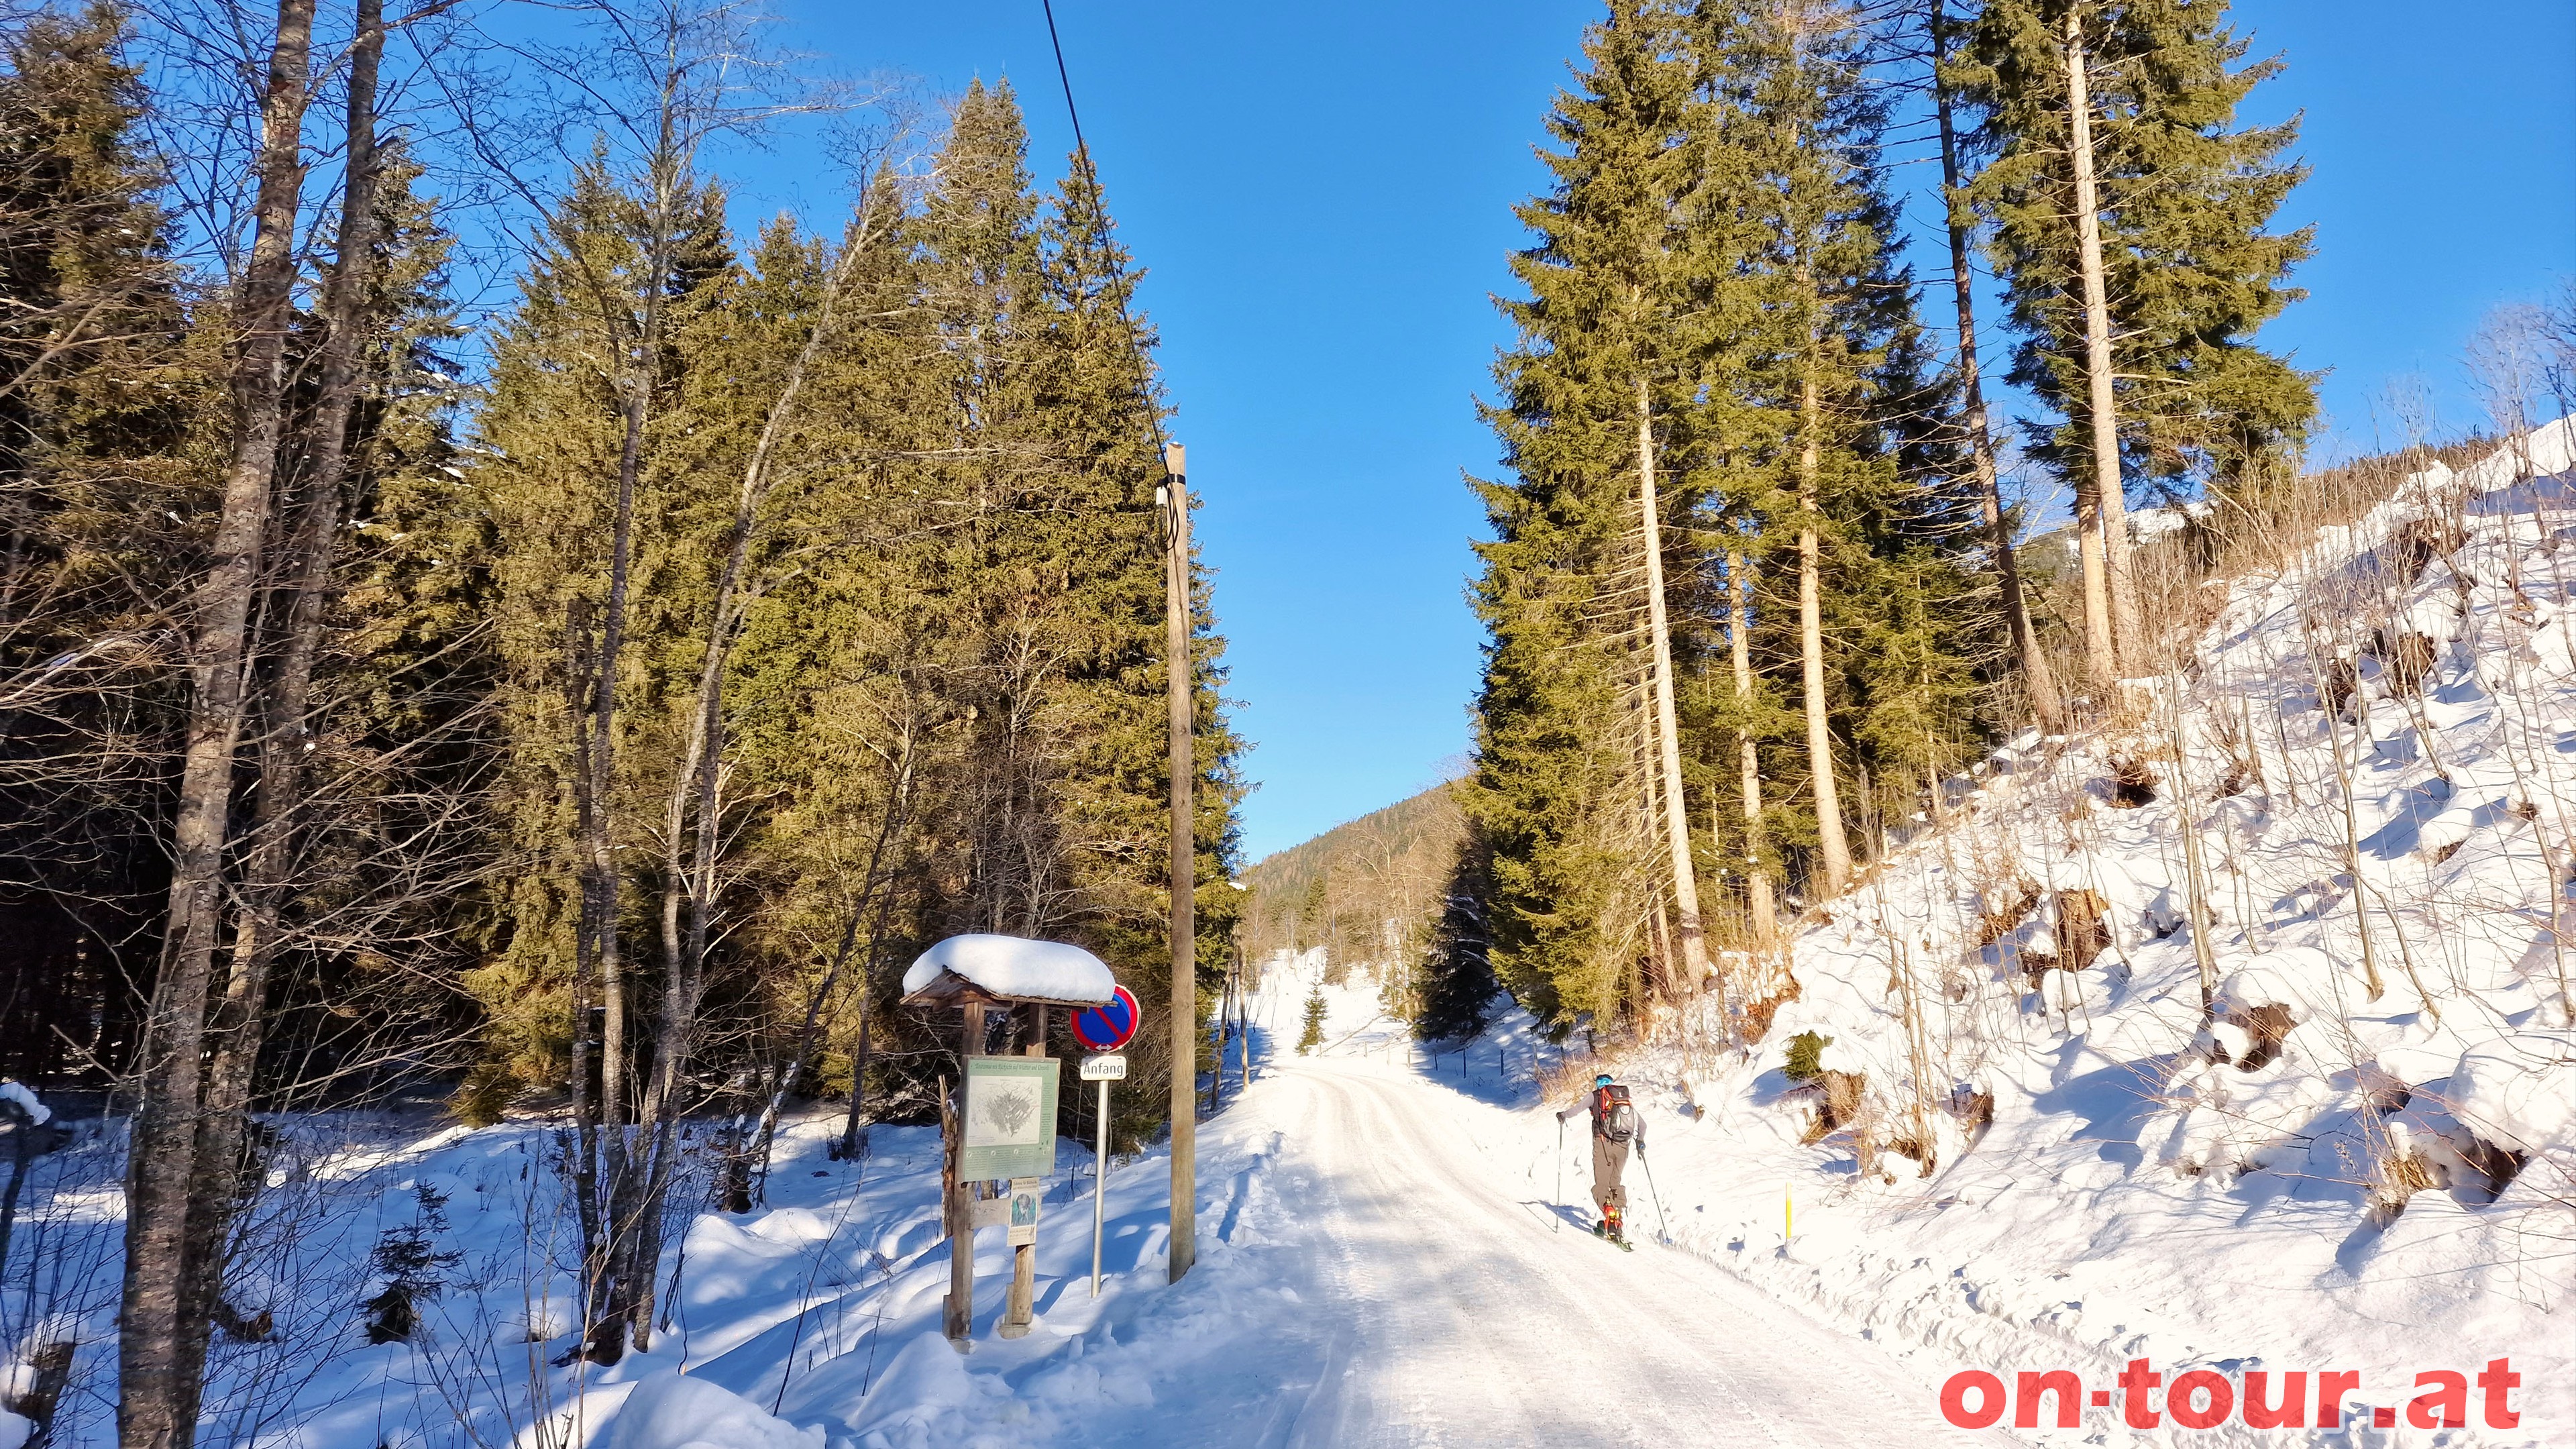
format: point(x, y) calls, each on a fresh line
point(1602, 1080)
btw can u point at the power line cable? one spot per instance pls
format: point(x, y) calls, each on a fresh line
point(1121, 284)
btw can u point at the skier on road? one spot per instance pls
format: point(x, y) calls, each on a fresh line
point(1615, 1128)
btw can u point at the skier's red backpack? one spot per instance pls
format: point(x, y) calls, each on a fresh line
point(1612, 1114)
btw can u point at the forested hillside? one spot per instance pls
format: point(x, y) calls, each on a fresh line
point(588, 706)
point(1753, 587)
point(1340, 890)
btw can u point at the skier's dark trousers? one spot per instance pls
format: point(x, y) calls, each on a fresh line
point(1616, 1127)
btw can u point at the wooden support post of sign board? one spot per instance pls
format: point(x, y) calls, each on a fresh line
point(958, 1321)
point(1020, 1307)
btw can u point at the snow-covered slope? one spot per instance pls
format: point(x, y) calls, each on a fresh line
point(2358, 1155)
point(812, 1322)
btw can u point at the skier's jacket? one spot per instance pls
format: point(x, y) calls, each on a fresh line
point(1612, 1116)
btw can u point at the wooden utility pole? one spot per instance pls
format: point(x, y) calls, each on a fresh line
point(1667, 728)
point(1019, 1307)
point(2101, 513)
point(1185, 996)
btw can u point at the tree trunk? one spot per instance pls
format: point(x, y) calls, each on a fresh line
point(2038, 680)
point(580, 678)
point(266, 873)
point(693, 820)
point(2110, 599)
point(897, 807)
point(854, 1138)
point(1694, 946)
point(161, 1335)
point(1242, 1021)
point(1658, 920)
point(1757, 876)
point(692, 823)
point(1833, 849)
point(612, 1295)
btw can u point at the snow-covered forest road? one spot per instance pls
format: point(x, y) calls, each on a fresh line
point(1463, 1308)
point(1380, 1263)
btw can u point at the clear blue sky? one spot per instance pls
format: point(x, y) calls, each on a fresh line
point(1322, 192)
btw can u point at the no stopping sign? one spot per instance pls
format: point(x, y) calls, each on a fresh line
point(1109, 1026)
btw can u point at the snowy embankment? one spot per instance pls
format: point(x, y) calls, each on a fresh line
point(812, 1322)
point(2025, 1145)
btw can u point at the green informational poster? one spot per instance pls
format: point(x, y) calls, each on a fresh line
point(1010, 1118)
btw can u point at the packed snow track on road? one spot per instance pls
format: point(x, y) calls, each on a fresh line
point(1465, 1313)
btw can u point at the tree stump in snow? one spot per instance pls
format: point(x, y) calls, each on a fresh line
point(2008, 905)
point(1843, 1098)
point(2406, 662)
point(2083, 930)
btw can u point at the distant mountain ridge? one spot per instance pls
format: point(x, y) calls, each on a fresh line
point(1364, 889)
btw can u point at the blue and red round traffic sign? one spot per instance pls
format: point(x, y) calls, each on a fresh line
point(1107, 1027)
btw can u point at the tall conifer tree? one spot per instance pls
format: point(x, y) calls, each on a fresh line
point(1802, 130)
point(2191, 267)
point(1558, 786)
point(108, 403)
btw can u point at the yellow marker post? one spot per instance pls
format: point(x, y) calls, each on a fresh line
point(1787, 1213)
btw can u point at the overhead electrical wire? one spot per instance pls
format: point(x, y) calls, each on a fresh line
point(1120, 283)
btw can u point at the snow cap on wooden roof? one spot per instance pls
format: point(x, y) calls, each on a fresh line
point(1010, 967)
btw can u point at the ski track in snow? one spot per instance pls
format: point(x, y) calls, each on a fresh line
point(1470, 1314)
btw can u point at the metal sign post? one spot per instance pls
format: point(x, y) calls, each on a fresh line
point(1104, 1068)
point(1104, 1029)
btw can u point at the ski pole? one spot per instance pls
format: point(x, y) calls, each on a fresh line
point(1560, 1175)
point(1660, 1224)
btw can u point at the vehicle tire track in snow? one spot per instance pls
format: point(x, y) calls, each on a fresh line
point(1472, 1323)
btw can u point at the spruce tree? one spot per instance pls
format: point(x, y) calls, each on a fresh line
point(1560, 783)
point(1795, 133)
point(1098, 384)
point(1050, 559)
point(1458, 982)
point(2038, 678)
point(551, 428)
point(606, 543)
point(109, 403)
point(2187, 199)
